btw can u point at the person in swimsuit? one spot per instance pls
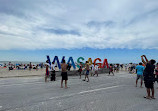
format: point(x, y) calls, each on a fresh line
point(64, 74)
point(87, 71)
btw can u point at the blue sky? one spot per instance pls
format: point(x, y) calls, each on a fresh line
point(119, 30)
point(113, 55)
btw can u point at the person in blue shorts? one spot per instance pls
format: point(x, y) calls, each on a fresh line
point(139, 70)
point(87, 71)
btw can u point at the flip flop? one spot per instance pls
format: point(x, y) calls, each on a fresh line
point(67, 87)
point(153, 98)
point(147, 97)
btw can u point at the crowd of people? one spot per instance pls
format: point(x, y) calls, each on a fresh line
point(146, 71)
point(10, 66)
point(88, 69)
point(84, 68)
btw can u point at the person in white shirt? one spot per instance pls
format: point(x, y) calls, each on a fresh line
point(129, 67)
point(92, 70)
point(52, 71)
point(115, 67)
point(126, 67)
point(96, 69)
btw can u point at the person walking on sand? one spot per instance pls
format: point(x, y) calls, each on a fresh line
point(64, 74)
point(149, 78)
point(47, 70)
point(139, 71)
point(87, 71)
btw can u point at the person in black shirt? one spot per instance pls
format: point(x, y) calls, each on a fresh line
point(149, 78)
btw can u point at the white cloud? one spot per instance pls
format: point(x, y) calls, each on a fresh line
point(100, 24)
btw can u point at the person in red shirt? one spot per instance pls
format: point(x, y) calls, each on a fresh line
point(47, 70)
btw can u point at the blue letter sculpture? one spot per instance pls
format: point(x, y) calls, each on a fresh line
point(63, 59)
point(56, 59)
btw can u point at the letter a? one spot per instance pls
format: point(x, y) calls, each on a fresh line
point(89, 61)
point(105, 63)
point(72, 62)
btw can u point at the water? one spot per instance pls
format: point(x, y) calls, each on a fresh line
point(19, 62)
